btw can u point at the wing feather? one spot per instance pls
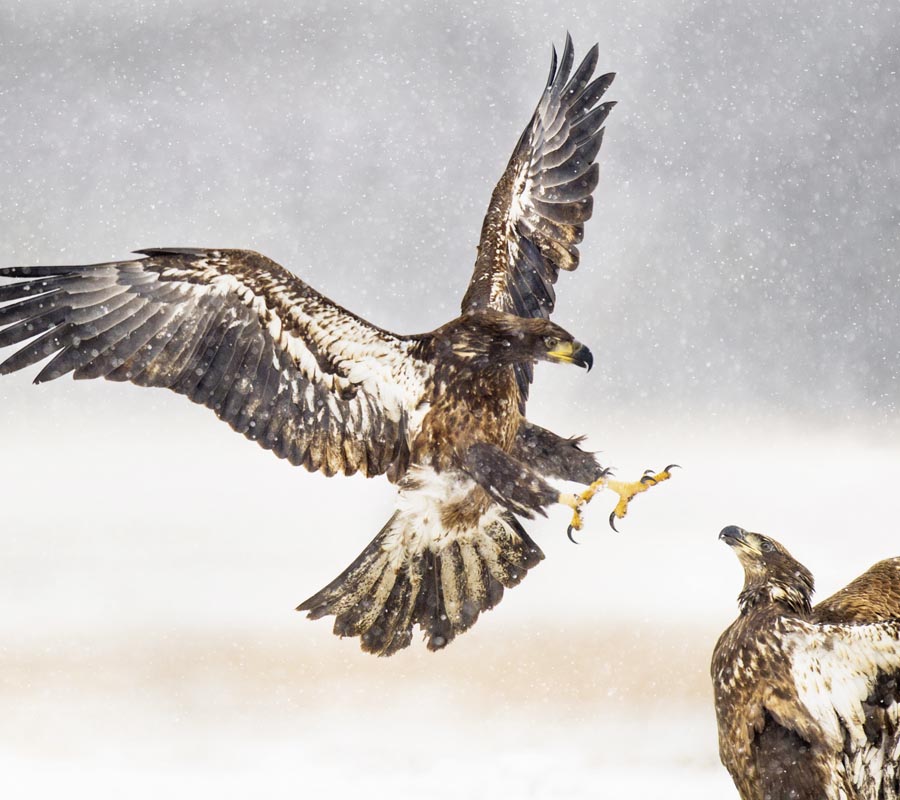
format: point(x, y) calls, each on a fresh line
point(231, 330)
point(846, 678)
point(540, 204)
point(582, 75)
point(873, 596)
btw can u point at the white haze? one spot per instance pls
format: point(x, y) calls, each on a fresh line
point(739, 288)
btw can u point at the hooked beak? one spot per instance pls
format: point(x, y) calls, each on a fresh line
point(733, 535)
point(572, 353)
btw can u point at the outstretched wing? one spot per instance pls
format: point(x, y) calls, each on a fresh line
point(234, 331)
point(873, 596)
point(537, 212)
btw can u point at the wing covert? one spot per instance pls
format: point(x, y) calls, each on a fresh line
point(872, 597)
point(231, 330)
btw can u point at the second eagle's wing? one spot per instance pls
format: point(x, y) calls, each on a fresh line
point(537, 212)
point(846, 678)
point(872, 597)
point(234, 331)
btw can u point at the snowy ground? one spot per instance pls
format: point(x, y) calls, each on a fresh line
point(249, 716)
point(152, 561)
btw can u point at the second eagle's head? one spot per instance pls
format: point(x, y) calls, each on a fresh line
point(488, 338)
point(771, 573)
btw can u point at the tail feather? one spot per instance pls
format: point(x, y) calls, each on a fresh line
point(454, 585)
point(430, 611)
point(395, 632)
point(392, 628)
point(343, 594)
point(402, 579)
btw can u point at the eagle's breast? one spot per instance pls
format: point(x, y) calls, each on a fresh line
point(468, 406)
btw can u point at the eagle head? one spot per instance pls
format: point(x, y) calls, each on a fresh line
point(489, 338)
point(771, 573)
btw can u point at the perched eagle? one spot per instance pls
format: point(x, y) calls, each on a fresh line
point(440, 413)
point(808, 698)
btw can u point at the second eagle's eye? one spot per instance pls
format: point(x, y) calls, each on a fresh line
point(551, 342)
point(766, 546)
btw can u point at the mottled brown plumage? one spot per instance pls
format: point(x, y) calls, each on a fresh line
point(440, 413)
point(807, 697)
point(873, 596)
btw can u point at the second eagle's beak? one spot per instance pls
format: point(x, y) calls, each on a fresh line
point(743, 544)
point(572, 353)
point(733, 536)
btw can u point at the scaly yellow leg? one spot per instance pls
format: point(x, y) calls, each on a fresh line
point(575, 502)
point(625, 490)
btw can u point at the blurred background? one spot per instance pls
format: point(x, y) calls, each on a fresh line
point(739, 287)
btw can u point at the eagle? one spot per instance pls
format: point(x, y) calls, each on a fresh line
point(808, 697)
point(440, 414)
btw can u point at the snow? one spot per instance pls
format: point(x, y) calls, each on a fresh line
point(738, 288)
point(152, 624)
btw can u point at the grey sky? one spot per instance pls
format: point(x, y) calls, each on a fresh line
point(744, 249)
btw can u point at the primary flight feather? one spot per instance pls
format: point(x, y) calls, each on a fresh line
point(440, 413)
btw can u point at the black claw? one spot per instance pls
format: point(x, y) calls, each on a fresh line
point(569, 534)
point(672, 466)
point(612, 522)
point(649, 479)
point(648, 472)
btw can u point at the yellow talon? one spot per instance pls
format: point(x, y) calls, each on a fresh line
point(576, 523)
point(575, 502)
point(626, 492)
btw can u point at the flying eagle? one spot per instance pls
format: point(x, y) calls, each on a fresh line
point(808, 698)
point(440, 413)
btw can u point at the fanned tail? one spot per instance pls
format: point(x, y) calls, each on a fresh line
point(403, 579)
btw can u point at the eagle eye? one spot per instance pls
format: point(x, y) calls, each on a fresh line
point(766, 546)
point(551, 342)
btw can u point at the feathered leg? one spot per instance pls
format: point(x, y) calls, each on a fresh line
point(561, 458)
point(512, 483)
point(556, 457)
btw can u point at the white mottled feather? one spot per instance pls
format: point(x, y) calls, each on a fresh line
point(835, 669)
point(423, 498)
